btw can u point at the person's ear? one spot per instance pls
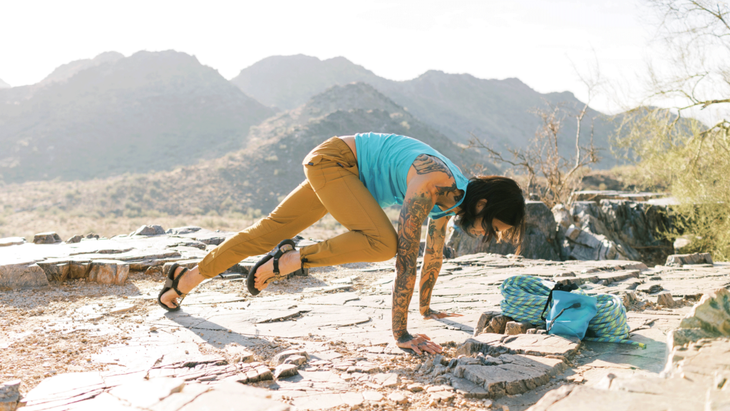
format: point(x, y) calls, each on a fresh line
point(481, 204)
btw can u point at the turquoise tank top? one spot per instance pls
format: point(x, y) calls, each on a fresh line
point(383, 161)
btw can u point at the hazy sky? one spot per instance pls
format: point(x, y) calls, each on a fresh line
point(537, 41)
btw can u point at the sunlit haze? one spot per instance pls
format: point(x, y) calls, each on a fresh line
point(543, 43)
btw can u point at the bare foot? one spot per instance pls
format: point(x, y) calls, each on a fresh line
point(288, 263)
point(170, 297)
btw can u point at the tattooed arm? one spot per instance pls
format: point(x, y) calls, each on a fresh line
point(432, 260)
point(419, 201)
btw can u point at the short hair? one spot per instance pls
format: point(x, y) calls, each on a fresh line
point(505, 202)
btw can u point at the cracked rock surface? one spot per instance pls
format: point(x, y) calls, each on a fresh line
point(316, 341)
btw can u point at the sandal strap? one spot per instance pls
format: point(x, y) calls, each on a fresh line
point(279, 252)
point(169, 283)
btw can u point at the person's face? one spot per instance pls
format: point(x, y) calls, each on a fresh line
point(498, 225)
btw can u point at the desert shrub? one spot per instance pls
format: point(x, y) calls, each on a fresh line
point(689, 157)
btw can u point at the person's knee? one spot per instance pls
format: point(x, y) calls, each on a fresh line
point(386, 246)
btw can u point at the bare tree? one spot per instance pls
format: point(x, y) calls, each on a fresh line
point(541, 159)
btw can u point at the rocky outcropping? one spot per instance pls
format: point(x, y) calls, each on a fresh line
point(609, 230)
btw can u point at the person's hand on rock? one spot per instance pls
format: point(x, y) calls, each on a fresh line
point(420, 343)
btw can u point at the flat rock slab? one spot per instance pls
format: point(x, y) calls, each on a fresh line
point(133, 391)
point(701, 360)
point(329, 401)
point(532, 344)
point(511, 374)
point(580, 398)
point(8, 241)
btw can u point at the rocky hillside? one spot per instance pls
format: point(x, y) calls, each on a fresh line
point(111, 115)
point(500, 112)
point(256, 178)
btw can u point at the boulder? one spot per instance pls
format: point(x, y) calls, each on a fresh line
point(55, 271)
point(108, 272)
point(678, 260)
point(46, 238)
point(709, 318)
point(9, 395)
point(22, 275)
point(665, 299)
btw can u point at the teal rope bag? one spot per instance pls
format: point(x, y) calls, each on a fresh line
point(525, 297)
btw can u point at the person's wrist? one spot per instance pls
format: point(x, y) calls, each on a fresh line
point(403, 336)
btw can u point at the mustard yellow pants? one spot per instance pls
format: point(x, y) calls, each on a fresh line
point(332, 186)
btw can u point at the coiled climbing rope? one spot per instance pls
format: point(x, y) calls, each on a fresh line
point(525, 297)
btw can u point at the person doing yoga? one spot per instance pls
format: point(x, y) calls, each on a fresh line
point(353, 178)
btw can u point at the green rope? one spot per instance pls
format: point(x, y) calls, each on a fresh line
point(525, 297)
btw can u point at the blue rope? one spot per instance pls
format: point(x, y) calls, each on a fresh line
point(525, 297)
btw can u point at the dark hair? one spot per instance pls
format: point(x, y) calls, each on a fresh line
point(505, 202)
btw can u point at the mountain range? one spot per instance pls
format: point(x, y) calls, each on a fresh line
point(459, 106)
point(112, 115)
point(4, 84)
point(255, 178)
point(182, 129)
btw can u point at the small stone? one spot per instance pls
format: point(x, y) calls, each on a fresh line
point(46, 238)
point(415, 387)
point(531, 331)
point(497, 324)
point(297, 360)
point(367, 367)
point(572, 232)
point(373, 396)
point(154, 270)
point(280, 357)
point(442, 396)
point(285, 370)
point(149, 230)
point(121, 308)
point(75, 239)
point(665, 299)
point(514, 328)
point(649, 288)
point(484, 320)
point(678, 260)
point(398, 398)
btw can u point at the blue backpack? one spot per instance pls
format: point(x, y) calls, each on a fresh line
point(569, 313)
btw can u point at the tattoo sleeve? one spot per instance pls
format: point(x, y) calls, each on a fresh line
point(418, 203)
point(425, 164)
point(432, 260)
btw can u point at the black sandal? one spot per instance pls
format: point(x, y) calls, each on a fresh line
point(171, 283)
point(284, 247)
